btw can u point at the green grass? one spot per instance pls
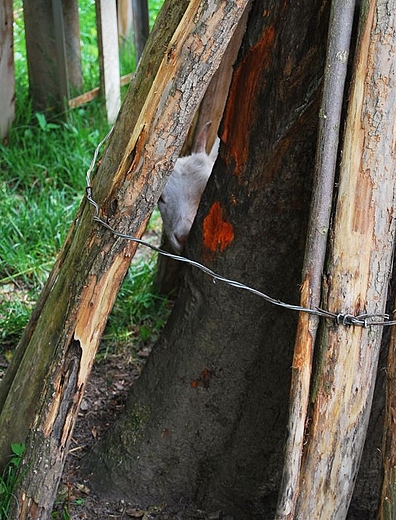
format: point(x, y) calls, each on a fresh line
point(9, 479)
point(42, 181)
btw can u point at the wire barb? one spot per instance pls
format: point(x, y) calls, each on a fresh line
point(362, 320)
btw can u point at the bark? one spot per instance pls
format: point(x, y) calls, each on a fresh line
point(357, 277)
point(205, 423)
point(388, 497)
point(340, 29)
point(55, 355)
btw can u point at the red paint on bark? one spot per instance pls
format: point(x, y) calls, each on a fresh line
point(217, 233)
point(242, 97)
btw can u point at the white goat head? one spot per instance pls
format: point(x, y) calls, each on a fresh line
point(180, 199)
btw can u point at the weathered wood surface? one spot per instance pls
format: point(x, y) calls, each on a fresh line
point(388, 496)
point(357, 276)
point(140, 19)
point(73, 45)
point(340, 28)
point(106, 21)
point(55, 355)
point(7, 82)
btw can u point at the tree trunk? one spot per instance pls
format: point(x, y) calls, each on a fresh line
point(61, 339)
point(357, 278)
point(205, 423)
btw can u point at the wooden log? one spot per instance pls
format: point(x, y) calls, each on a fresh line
point(357, 277)
point(387, 509)
point(340, 28)
point(124, 20)
point(7, 81)
point(106, 19)
point(52, 363)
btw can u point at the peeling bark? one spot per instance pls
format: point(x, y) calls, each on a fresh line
point(340, 29)
point(357, 277)
point(388, 496)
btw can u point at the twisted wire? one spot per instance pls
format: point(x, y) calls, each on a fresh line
point(346, 319)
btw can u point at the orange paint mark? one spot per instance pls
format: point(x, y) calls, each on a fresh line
point(242, 98)
point(217, 233)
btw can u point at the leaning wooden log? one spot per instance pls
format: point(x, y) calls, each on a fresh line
point(357, 276)
point(340, 29)
point(53, 361)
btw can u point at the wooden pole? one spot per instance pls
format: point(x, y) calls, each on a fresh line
point(340, 28)
point(106, 19)
point(357, 275)
point(140, 20)
point(61, 54)
point(7, 80)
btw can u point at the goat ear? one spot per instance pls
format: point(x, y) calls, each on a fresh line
point(200, 143)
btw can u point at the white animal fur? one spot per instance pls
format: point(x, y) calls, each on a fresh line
point(180, 199)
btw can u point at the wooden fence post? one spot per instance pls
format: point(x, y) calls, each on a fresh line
point(7, 83)
point(106, 19)
point(140, 20)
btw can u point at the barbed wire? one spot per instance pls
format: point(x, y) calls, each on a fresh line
point(346, 319)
